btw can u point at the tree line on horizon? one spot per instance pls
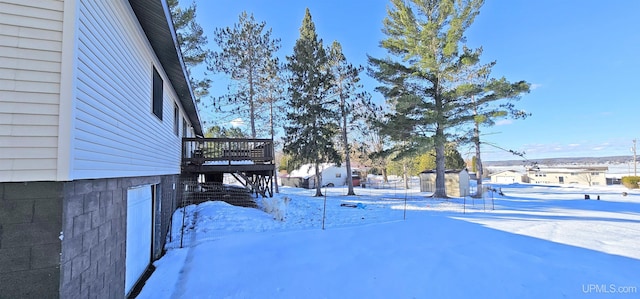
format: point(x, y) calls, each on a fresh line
point(438, 94)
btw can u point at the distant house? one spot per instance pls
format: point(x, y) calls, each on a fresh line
point(332, 175)
point(590, 176)
point(94, 102)
point(456, 182)
point(507, 177)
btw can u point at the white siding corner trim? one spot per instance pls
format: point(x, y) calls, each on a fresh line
point(69, 60)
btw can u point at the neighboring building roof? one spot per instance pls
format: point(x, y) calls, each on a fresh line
point(155, 19)
point(570, 169)
point(505, 171)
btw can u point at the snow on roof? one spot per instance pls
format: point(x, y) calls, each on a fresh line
point(568, 169)
point(504, 171)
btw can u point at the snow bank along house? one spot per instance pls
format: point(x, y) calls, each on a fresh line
point(94, 101)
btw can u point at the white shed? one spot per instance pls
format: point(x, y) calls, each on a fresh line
point(456, 182)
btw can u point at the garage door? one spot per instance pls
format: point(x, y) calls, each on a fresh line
point(139, 220)
point(505, 180)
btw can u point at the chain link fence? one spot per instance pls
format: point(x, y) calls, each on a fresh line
point(192, 192)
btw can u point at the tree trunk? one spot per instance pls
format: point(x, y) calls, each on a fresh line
point(318, 180)
point(440, 140)
point(441, 191)
point(275, 171)
point(252, 106)
point(347, 155)
point(405, 176)
point(385, 177)
point(479, 170)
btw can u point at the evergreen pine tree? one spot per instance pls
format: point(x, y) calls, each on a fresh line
point(486, 100)
point(247, 56)
point(346, 78)
point(312, 117)
point(425, 36)
point(193, 44)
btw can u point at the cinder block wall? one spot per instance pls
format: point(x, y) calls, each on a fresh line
point(68, 239)
point(93, 247)
point(30, 225)
point(94, 226)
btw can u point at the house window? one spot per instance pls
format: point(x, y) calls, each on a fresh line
point(157, 94)
point(176, 119)
point(595, 173)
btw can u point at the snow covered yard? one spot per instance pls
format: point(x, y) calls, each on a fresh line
point(539, 242)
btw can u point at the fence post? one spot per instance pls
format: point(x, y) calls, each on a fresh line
point(324, 210)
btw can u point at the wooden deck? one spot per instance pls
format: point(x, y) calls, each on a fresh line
point(250, 161)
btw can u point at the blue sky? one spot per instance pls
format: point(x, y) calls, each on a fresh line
point(581, 57)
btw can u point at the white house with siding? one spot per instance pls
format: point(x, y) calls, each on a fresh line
point(582, 175)
point(94, 101)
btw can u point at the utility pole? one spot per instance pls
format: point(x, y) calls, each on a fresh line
point(633, 149)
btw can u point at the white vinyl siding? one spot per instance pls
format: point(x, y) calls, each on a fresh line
point(30, 56)
point(116, 133)
point(78, 104)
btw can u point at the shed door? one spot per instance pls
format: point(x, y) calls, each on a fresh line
point(139, 220)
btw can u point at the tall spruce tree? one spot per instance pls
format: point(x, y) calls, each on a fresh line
point(346, 88)
point(425, 36)
point(312, 118)
point(272, 95)
point(490, 99)
point(247, 56)
point(193, 45)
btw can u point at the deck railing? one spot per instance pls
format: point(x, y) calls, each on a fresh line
point(199, 151)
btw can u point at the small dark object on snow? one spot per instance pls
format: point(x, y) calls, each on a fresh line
point(350, 205)
point(598, 197)
point(586, 196)
point(624, 193)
